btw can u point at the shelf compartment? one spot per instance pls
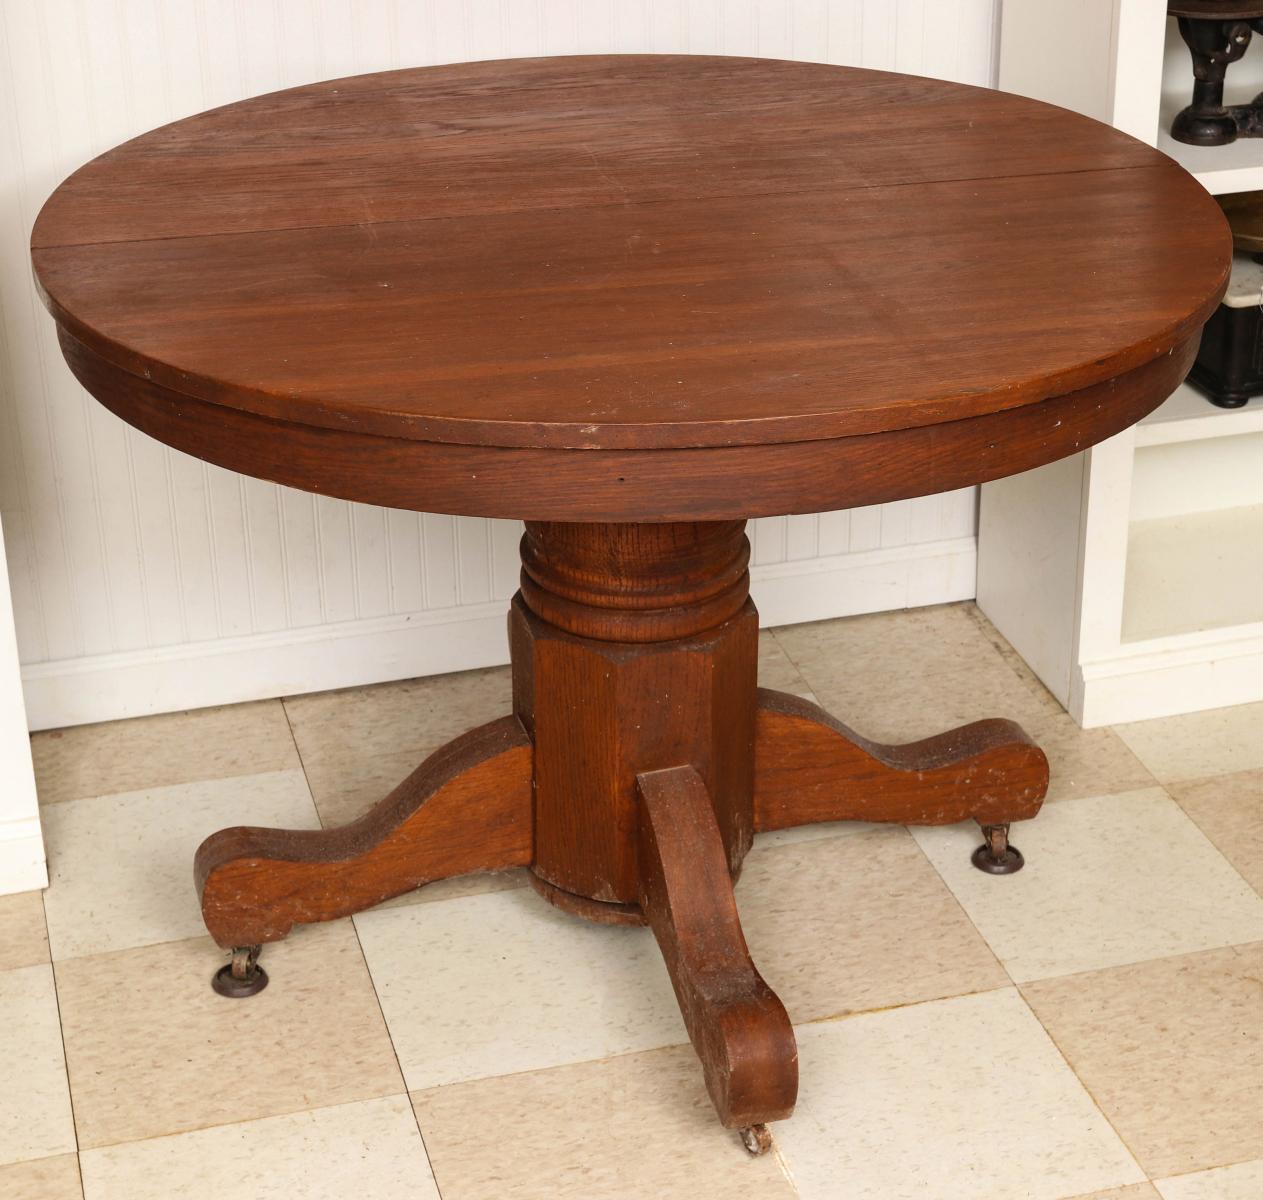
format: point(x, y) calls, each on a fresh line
point(1188, 416)
point(1194, 572)
point(1237, 167)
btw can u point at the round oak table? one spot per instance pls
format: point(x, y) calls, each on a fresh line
point(633, 301)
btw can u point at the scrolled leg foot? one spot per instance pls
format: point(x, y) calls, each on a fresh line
point(809, 767)
point(737, 1025)
point(466, 808)
point(243, 976)
point(996, 856)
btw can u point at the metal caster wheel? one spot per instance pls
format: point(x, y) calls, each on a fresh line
point(757, 1139)
point(243, 976)
point(995, 855)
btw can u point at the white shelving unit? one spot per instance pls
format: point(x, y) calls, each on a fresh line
point(1130, 577)
point(1186, 417)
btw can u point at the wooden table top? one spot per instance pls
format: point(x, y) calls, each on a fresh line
point(620, 254)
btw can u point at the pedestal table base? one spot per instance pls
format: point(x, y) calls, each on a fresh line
point(639, 762)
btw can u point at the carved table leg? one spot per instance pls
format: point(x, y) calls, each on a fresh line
point(466, 808)
point(809, 767)
point(737, 1025)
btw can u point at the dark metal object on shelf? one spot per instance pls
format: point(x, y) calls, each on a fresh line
point(1217, 33)
point(1229, 366)
point(1244, 211)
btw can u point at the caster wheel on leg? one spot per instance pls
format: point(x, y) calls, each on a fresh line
point(243, 976)
point(995, 855)
point(757, 1139)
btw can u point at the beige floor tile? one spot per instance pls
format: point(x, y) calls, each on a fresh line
point(857, 923)
point(494, 984)
point(1004, 647)
point(814, 833)
point(1170, 1050)
point(908, 704)
point(775, 668)
point(345, 787)
point(1241, 1181)
point(1086, 762)
point(639, 1127)
point(911, 1103)
point(1090, 894)
point(35, 1117)
point(23, 938)
point(1228, 809)
point(1195, 745)
point(149, 752)
point(370, 1149)
point(358, 743)
point(121, 867)
point(923, 641)
point(462, 885)
point(1137, 1191)
point(152, 1050)
point(54, 1178)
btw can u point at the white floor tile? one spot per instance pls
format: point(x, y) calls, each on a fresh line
point(812, 833)
point(493, 984)
point(121, 867)
point(1193, 745)
point(1243, 1181)
point(369, 1149)
point(960, 1099)
point(35, 1117)
point(1108, 880)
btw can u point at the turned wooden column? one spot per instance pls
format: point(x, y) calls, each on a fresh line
point(635, 648)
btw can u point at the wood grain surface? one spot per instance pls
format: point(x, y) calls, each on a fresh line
point(467, 808)
point(627, 253)
point(702, 483)
point(624, 662)
point(810, 767)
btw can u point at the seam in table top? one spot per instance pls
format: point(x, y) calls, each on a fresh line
point(623, 203)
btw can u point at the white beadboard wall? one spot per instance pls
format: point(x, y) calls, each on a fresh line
point(146, 581)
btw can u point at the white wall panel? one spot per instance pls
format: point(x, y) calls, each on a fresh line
point(140, 576)
point(22, 865)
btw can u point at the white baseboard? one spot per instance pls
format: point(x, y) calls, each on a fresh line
point(289, 662)
point(22, 865)
point(844, 585)
point(292, 661)
point(1161, 678)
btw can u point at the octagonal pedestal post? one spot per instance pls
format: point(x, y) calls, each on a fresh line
point(635, 649)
